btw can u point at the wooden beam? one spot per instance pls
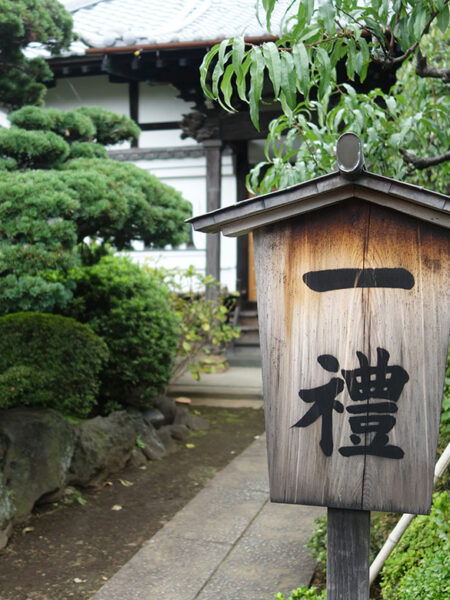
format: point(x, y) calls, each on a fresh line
point(161, 125)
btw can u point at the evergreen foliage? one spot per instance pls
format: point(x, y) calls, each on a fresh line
point(57, 188)
point(49, 361)
point(129, 308)
point(22, 80)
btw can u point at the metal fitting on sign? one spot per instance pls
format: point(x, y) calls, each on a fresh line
point(349, 154)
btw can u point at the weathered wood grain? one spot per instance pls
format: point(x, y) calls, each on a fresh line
point(298, 324)
point(348, 554)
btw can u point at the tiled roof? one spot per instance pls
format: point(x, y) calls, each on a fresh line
point(109, 23)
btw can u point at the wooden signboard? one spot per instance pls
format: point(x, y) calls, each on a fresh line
point(353, 303)
point(354, 318)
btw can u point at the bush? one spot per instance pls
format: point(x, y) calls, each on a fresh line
point(203, 322)
point(130, 310)
point(419, 567)
point(49, 361)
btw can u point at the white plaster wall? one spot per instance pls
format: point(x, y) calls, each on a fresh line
point(88, 91)
point(188, 175)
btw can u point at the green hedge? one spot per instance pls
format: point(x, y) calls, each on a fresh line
point(49, 361)
point(130, 310)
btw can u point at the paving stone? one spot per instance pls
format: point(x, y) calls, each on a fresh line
point(166, 568)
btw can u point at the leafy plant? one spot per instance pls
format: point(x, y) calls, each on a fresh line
point(49, 361)
point(325, 72)
point(204, 325)
point(303, 593)
point(129, 308)
point(419, 567)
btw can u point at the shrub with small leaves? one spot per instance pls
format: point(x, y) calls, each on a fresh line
point(130, 309)
point(303, 593)
point(49, 361)
point(419, 566)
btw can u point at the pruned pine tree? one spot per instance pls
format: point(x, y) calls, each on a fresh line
point(58, 189)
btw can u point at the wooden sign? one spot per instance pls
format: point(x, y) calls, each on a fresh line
point(354, 317)
point(353, 303)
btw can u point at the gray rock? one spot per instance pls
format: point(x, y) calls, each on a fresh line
point(4, 535)
point(153, 416)
point(36, 449)
point(137, 458)
point(166, 438)
point(104, 446)
point(179, 432)
point(193, 422)
point(167, 406)
point(146, 436)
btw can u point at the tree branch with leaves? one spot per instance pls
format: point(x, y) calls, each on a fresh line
point(326, 72)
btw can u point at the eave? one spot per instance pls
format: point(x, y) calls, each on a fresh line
point(321, 192)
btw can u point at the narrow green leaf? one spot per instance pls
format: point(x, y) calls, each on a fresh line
point(324, 71)
point(204, 68)
point(328, 14)
point(443, 19)
point(241, 78)
point(222, 49)
point(419, 24)
point(365, 54)
point(273, 64)
point(226, 87)
point(268, 6)
point(289, 80)
point(301, 62)
point(351, 59)
point(237, 53)
point(257, 80)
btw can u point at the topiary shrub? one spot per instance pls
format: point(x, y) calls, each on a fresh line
point(130, 310)
point(49, 361)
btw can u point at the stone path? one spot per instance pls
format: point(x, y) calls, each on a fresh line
point(229, 542)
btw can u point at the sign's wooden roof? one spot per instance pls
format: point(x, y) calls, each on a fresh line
point(318, 193)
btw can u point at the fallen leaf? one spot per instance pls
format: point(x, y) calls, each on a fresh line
point(27, 530)
point(126, 483)
point(183, 400)
point(78, 580)
point(117, 507)
point(190, 446)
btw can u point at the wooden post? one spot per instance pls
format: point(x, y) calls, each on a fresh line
point(348, 554)
point(133, 98)
point(213, 149)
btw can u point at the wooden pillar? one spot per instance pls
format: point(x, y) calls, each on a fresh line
point(348, 554)
point(133, 100)
point(241, 170)
point(213, 149)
